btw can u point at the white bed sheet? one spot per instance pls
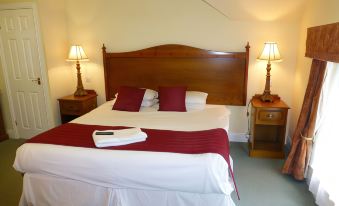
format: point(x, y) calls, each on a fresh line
point(213, 116)
point(42, 190)
point(204, 173)
point(151, 171)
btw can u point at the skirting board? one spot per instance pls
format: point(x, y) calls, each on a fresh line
point(243, 137)
point(237, 137)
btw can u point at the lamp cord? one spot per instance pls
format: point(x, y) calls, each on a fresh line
point(248, 119)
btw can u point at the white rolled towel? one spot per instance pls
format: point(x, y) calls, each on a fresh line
point(119, 137)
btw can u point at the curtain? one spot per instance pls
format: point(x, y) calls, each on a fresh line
point(323, 42)
point(324, 169)
point(297, 160)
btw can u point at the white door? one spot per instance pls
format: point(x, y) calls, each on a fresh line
point(23, 71)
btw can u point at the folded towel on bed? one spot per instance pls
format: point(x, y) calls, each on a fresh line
point(118, 137)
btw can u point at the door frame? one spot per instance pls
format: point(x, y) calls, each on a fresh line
point(42, 62)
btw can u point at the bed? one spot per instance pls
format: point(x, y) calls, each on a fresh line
point(67, 175)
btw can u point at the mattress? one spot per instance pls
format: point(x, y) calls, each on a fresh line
point(135, 170)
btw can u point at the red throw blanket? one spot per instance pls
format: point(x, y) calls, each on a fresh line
point(192, 142)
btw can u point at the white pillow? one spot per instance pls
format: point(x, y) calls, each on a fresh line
point(195, 97)
point(149, 103)
point(195, 107)
point(149, 95)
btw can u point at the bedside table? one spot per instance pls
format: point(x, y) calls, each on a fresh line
point(268, 128)
point(72, 106)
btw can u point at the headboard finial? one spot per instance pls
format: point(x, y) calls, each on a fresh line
point(248, 46)
point(103, 48)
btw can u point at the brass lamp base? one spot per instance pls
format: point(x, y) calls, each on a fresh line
point(267, 97)
point(80, 92)
point(80, 88)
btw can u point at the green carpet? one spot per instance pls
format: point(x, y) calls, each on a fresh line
point(259, 180)
point(261, 183)
point(10, 180)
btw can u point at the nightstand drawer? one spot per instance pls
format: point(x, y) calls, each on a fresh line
point(71, 108)
point(271, 116)
point(90, 105)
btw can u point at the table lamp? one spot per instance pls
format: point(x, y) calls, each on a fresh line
point(270, 53)
point(77, 54)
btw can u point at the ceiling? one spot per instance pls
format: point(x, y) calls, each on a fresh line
point(260, 10)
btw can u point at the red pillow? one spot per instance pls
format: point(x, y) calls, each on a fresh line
point(172, 99)
point(129, 99)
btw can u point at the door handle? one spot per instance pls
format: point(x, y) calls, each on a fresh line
point(37, 80)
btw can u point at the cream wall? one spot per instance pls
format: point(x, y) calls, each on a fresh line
point(130, 24)
point(54, 29)
point(317, 12)
point(125, 25)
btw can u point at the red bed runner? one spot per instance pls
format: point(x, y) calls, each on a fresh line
point(192, 142)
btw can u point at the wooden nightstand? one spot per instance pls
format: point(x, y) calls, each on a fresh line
point(268, 128)
point(72, 106)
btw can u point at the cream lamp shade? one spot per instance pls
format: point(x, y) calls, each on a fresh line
point(270, 52)
point(77, 53)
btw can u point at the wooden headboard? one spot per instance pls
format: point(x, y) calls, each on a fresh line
point(223, 75)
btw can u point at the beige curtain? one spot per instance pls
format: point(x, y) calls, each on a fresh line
point(302, 138)
point(322, 45)
point(323, 42)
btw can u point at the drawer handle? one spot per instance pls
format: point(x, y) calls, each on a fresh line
point(269, 116)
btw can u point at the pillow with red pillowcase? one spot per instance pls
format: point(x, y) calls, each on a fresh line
point(172, 98)
point(129, 99)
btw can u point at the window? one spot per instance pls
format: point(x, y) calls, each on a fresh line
point(324, 167)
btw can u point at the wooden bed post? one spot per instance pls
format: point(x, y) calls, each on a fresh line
point(246, 76)
point(104, 54)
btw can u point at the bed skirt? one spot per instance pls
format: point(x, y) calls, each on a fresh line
point(50, 190)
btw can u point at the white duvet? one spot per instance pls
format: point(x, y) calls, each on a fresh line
point(195, 173)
